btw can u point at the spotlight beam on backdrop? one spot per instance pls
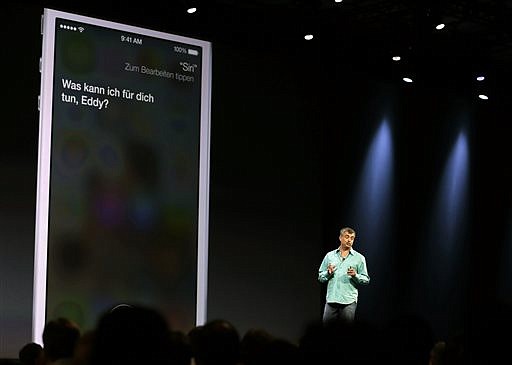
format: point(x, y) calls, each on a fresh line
point(439, 284)
point(372, 204)
point(372, 220)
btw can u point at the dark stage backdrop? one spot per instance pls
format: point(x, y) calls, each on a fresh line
point(290, 132)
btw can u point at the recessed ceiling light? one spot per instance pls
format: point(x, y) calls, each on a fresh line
point(480, 78)
point(440, 26)
point(338, 1)
point(407, 79)
point(396, 58)
point(483, 97)
point(191, 10)
point(308, 37)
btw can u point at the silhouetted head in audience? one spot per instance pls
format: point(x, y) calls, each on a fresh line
point(437, 353)
point(215, 343)
point(31, 354)
point(340, 342)
point(280, 351)
point(131, 335)
point(82, 353)
point(408, 340)
point(488, 339)
point(254, 345)
point(59, 339)
point(258, 347)
point(181, 348)
point(455, 351)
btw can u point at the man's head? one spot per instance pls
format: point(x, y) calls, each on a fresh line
point(347, 237)
point(31, 354)
point(59, 338)
point(131, 334)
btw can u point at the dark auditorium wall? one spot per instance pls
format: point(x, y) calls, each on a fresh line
point(18, 162)
point(290, 129)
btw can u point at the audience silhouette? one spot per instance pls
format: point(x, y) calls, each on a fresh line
point(181, 348)
point(60, 337)
point(258, 347)
point(31, 354)
point(131, 334)
point(215, 343)
point(408, 340)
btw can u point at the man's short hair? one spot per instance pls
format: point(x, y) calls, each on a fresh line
point(348, 230)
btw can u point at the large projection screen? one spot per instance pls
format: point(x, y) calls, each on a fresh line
point(123, 172)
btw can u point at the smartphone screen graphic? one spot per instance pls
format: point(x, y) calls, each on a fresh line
point(122, 200)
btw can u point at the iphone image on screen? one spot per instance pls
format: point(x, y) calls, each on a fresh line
point(123, 172)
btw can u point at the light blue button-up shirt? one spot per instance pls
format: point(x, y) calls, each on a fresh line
point(341, 287)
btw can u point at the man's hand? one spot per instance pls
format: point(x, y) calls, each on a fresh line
point(331, 268)
point(351, 271)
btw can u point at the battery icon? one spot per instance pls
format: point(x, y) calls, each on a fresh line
point(193, 52)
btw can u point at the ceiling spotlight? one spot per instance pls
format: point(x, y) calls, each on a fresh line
point(407, 79)
point(338, 1)
point(480, 78)
point(396, 58)
point(440, 26)
point(483, 97)
point(308, 37)
point(191, 10)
